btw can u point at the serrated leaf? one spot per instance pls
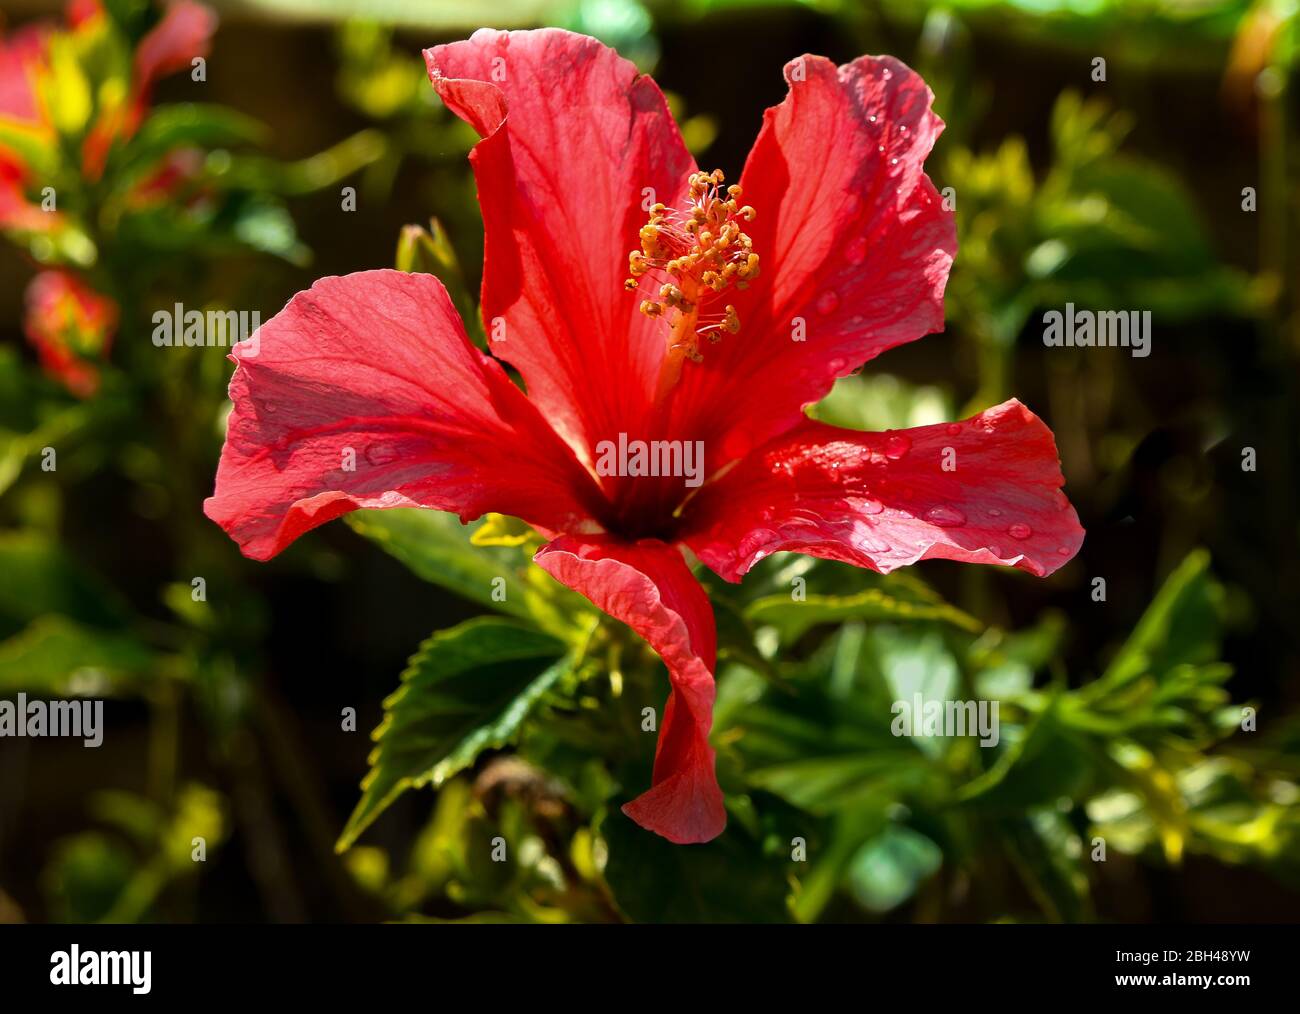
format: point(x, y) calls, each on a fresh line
point(466, 690)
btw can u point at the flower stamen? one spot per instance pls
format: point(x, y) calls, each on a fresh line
point(703, 250)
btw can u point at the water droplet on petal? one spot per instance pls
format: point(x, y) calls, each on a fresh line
point(1063, 550)
point(994, 512)
point(945, 517)
point(827, 302)
point(872, 506)
point(954, 429)
point(896, 446)
point(856, 251)
point(872, 117)
point(996, 551)
point(1020, 530)
point(381, 454)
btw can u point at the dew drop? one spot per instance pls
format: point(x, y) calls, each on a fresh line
point(381, 454)
point(827, 302)
point(856, 251)
point(896, 446)
point(945, 517)
point(994, 512)
point(954, 429)
point(893, 161)
point(872, 506)
point(1020, 530)
point(872, 117)
point(1063, 550)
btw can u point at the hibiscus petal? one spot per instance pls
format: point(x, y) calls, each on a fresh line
point(648, 586)
point(184, 32)
point(987, 490)
point(572, 138)
point(855, 249)
point(364, 392)
point(22, 54)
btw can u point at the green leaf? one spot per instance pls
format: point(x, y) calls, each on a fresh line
point(466, 690)
point(502, 530)
point(436, 547)
point(1048, 855)
point(1180, 626)
point(727, 880)
point(56, 655)
point(882, 402)
point(887, 870)
point(831, 746)
point(792, 618)
point(825, 784)
point(1038, 765)
point(197, 124)
point(40, 577)
point(829, 860)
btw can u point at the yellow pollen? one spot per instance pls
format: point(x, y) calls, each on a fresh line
point(702, 250)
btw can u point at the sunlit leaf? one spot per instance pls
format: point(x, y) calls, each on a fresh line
point(467, 689)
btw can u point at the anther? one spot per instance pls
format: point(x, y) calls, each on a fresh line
point(702, 250)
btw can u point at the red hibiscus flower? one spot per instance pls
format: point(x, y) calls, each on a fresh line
point(70, 325)
point(743, 306)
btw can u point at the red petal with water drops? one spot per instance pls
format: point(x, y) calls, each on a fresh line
point(576, 145)
point(364, 392)
point(855, 249)
point(648, 586)
point(986, 490)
